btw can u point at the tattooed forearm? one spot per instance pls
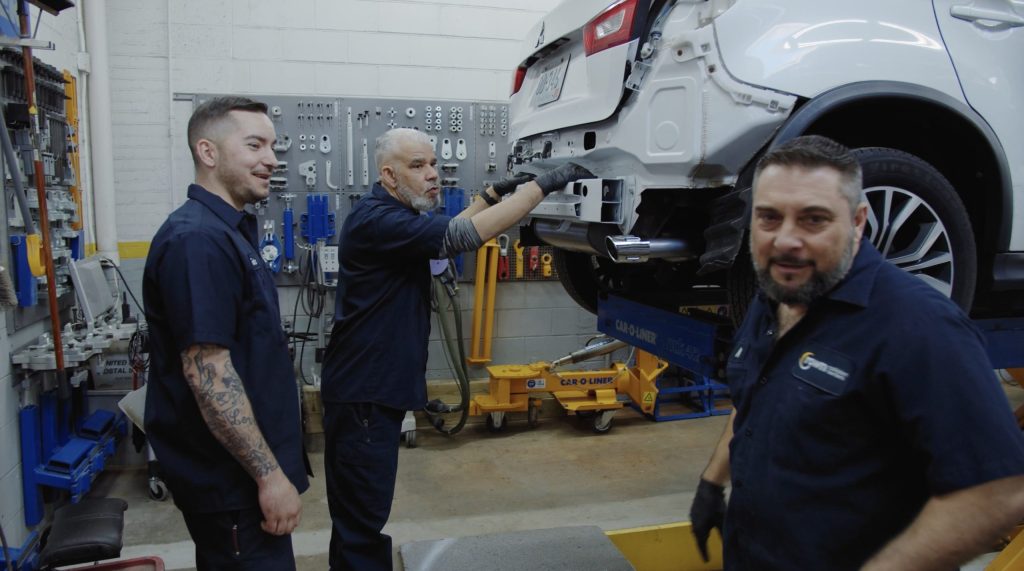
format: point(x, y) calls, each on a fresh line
point(226, 408)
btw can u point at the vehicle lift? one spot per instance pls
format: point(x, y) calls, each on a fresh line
point(695, 344)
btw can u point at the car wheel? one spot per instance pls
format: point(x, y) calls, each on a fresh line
point(579, 276)
point(741, 284)
point(918, 222)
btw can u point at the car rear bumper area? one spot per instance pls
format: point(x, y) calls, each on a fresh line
point(687, 125)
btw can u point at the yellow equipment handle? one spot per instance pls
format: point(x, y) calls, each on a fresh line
point(33, 248)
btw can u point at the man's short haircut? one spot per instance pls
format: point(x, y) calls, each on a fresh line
point(387, 144)
point(812, 151)
point(208, 116)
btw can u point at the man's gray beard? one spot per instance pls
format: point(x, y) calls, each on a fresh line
point(818, 285)
point(420, 202)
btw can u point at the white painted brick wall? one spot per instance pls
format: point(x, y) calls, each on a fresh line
point(354, 15)
point(357, 48)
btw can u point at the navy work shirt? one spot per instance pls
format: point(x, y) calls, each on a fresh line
point(378, 347)
point(881, 397)
point(205, 283)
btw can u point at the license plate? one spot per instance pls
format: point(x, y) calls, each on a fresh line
point(549, 86)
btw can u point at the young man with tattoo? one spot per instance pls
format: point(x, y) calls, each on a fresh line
point(222, 409)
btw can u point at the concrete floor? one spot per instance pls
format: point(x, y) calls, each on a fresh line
point(558, 474)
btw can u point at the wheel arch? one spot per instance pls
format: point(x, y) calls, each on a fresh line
point(930, 124)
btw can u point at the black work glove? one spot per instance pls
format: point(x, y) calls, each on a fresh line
point(707, 513)
point(563, 175)
point(509, 185)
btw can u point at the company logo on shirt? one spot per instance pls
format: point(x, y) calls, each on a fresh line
point(807, 362)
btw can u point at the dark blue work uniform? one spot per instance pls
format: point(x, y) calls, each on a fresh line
point(881, 397)
point(205, 283)
point(374, 368)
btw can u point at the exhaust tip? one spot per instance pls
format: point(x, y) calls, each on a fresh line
point(627, 249)
point(636, 250)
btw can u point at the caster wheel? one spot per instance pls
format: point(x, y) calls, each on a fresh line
point(158, 490)
point(496, 422)
point(410, 439)
point(533, 416)
point(603, 421)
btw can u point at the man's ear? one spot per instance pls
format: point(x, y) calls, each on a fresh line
point(207, 152)
point(387, 176)
point(860, 219)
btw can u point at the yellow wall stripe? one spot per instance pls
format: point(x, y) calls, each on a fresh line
point(133, 250)
point(125, 250)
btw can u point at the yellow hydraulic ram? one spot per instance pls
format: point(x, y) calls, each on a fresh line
point(579, 392)
point(484, 291)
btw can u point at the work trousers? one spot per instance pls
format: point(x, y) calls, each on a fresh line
point(361, 461)
point(234, 541)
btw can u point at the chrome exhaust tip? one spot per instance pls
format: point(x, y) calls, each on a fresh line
point(636, 250)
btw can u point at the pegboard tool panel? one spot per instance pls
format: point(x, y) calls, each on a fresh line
point(325, 158)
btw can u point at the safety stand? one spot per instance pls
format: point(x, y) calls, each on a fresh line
point(697, 345)
point(708, 396)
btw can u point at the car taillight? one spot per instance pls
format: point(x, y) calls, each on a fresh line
point(517, 79)
point(612, 27)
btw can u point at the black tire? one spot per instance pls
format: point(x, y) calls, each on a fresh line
point(577, 273)
point(900, 179)
point(741, 284)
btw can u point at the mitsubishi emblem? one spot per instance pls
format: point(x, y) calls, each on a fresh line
point(540, 38)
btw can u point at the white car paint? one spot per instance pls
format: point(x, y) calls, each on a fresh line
point(986, 40)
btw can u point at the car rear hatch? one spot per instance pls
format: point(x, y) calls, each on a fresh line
point(574, 63)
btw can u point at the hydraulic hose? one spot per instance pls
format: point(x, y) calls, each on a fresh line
point(456, 355)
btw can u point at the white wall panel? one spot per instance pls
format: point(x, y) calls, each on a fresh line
point(410, 18)
point(347, 80)
point(315, 46)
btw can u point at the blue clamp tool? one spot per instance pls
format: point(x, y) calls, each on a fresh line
point(318, 221)
point(270, 247)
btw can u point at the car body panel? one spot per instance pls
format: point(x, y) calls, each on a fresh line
point(982, 35)
point(807, 47)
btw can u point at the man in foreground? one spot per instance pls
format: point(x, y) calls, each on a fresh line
point(869, 431)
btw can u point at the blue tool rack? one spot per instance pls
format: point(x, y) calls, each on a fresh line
point(56, 455)
point(698, 346)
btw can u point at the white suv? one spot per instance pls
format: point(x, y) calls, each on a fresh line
point(671, 103)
